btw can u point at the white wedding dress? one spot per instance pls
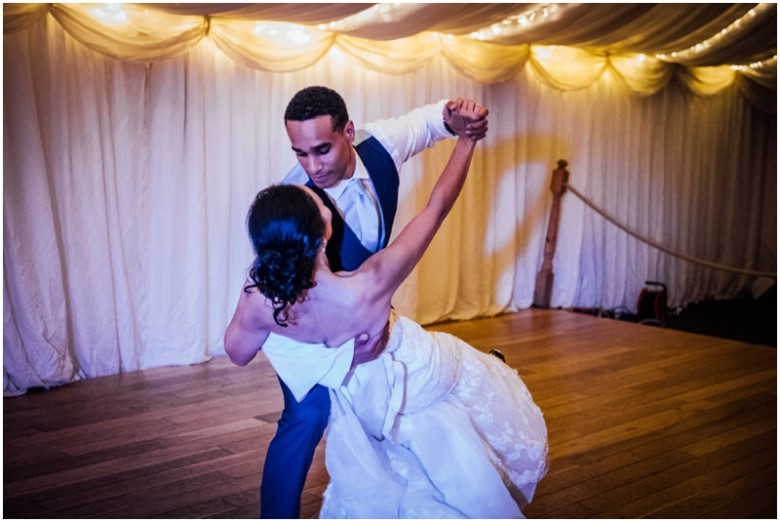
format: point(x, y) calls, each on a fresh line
point(433, 428)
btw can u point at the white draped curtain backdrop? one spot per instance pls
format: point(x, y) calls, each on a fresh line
point(131, 155)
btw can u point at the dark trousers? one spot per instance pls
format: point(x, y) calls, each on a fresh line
point(291, 451)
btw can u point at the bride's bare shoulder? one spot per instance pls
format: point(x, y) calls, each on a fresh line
point(254, 306)
point(362, 291)
point(342, 286)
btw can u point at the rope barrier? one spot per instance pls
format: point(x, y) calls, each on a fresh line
point(662, 248)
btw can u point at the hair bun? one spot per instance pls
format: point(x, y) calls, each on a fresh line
point(286, 228)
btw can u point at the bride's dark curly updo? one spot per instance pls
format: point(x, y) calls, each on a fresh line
point(286, 229)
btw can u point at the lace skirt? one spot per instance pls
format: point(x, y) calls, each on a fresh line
point(433, 429)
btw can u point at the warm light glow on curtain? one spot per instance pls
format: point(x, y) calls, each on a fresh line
point(764, 72)
point(271, 46)
point(395, 57)
point(567, 68)
point(129, 32)
point(639, 74)
point(485, 62)
point(706, 81)
point(17, 17)
point(496, 53)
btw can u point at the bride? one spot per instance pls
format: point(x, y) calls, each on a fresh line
point(432, 428)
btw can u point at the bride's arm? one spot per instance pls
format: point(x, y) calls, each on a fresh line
point(245, 334)
point(388, 268)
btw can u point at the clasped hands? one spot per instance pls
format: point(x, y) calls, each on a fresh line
point(466, 118)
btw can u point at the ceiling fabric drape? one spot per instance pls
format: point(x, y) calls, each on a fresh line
point(136, 136)
point(251, 47)
point(569, 46)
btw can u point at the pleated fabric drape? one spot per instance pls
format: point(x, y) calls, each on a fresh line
point(575, 42)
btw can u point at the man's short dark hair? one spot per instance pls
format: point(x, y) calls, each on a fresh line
point(316, 101)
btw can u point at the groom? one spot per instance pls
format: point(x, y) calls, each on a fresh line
point(355, 172)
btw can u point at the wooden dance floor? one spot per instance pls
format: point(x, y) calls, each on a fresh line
point(643, 422)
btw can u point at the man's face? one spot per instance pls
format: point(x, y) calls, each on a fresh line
point(326, 155)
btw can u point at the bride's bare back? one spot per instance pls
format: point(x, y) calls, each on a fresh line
point(337, 309)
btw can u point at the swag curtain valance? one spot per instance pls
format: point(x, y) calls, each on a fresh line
point(706, 47)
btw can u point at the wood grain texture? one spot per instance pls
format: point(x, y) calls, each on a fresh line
point(643, 422)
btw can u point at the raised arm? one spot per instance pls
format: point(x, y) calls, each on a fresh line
point(408, 135)
point(387, 269)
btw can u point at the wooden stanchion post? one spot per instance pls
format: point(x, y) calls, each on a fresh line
point(544, 279)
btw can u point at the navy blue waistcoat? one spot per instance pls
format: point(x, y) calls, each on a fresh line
point(344, 250)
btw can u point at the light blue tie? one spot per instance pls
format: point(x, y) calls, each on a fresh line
point(362, 213)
